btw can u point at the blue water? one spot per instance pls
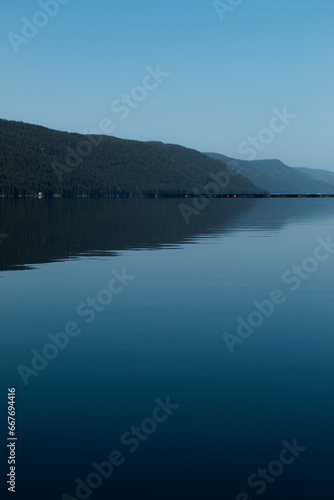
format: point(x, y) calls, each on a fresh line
point(163, 335)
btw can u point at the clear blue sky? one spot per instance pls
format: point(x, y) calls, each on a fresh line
point(225, 76)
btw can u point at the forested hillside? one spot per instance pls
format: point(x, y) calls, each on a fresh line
point(34, 159)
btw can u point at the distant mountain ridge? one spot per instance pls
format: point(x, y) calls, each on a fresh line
point(278, 178)
point(319, 174)
point(37, 159)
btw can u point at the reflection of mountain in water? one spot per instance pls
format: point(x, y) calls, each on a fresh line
point(272, 214)
point(40, 231)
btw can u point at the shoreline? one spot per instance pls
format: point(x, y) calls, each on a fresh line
point(317, 195)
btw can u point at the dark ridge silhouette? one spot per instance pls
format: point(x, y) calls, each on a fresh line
point(36, 159)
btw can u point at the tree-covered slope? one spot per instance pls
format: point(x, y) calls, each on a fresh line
point(34, 158)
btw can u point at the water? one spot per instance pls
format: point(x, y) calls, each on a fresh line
point(164, 335)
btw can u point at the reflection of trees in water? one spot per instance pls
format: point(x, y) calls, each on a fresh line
point(39, 231)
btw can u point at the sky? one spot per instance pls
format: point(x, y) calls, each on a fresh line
point(251, 79)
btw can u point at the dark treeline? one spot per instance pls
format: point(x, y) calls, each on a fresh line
point(36, 159)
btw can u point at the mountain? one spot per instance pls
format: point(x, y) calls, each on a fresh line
point(35, 158)
point(277, 177)
point(318, 174)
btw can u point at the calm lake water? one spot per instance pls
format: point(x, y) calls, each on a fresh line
point(173, 355)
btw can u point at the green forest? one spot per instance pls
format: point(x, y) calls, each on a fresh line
point(36, 159)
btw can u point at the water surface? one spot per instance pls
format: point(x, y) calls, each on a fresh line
point(162, 336)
